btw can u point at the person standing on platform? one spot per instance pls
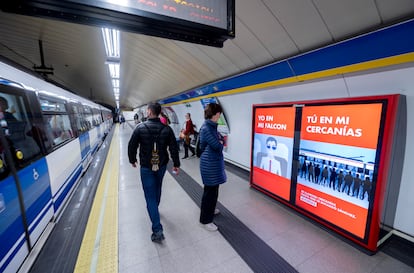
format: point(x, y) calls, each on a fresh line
point(187, 132)
point(317, 173)
point(153, 138)
point(340, 180)
point(211, 165)
point(348, 182)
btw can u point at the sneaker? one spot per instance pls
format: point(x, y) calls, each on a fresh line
point(184, 157)
point(157, 237)
point(216, 211)
point(210, 227)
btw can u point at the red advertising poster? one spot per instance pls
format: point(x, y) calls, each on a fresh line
point(273, 149)
point(337, 155)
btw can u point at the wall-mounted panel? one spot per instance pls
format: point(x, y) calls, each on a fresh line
point(337, 159)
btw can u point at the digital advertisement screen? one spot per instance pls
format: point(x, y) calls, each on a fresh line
point(337, 157)
point(274, 129)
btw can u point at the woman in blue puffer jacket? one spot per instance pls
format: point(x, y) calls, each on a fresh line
point(211, 164)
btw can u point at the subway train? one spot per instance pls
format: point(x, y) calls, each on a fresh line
point(48, 138)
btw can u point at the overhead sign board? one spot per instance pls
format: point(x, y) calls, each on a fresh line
point(207, 22)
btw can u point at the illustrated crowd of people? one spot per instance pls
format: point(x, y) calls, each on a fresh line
point(157, 142)
point(339, 179)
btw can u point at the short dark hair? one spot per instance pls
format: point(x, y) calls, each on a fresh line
point(155, 108)
point(5, 102)
point(271, 139)
point(211, 110)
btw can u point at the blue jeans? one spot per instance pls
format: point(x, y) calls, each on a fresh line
point(152, 184)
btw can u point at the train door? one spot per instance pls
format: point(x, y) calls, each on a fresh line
point(25, 196)
point(81, 126)
point(97, 122)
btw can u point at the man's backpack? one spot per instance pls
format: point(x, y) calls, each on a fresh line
point(155, 158)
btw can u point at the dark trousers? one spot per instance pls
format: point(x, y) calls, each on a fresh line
point(186, 147)
point(152, 185)
point(208, 204)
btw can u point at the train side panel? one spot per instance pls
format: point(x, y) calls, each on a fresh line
point(13, 248)
point(37, 199)
point(94, 139)
point(64, 175)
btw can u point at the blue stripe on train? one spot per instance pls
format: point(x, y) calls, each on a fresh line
point(35, 184)
point(67, 187)
point(84, 144)
point(11, 222)
point(13, 254)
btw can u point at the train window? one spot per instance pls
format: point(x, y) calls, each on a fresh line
point(78, 119)
point(59, 127)
point(57, 120)
point(97, 118)
point(52, 106)
point(18, 129)
point(88, 116)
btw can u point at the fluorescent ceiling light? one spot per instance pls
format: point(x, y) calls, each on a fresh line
point(114, 70)
point(111, 40)
point(115, 83)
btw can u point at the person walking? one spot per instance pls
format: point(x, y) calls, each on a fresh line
point(153, 138)
point(211, 164)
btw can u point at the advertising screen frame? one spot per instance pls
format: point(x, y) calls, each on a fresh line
point(366, 235)
point(273, 138)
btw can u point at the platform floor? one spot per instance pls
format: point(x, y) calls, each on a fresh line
point(188, 248)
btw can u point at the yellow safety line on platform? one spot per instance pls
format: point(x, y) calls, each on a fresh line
point(99, 249)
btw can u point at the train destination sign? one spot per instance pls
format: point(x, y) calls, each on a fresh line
point(207, 22)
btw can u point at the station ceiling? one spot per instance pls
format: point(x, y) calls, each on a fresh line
point(154, 68)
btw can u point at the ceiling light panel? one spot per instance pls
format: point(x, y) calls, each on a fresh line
point(111, 41)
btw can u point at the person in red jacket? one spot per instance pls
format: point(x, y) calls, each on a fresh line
point(188, 131)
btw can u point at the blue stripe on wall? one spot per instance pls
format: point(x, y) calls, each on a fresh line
point(388, 42)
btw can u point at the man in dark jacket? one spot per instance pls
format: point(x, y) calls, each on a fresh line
point(152, 137)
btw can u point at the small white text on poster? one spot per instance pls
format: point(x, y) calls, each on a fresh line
point(315, 201)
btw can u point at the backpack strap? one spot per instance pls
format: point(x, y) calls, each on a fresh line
point(155, 159)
